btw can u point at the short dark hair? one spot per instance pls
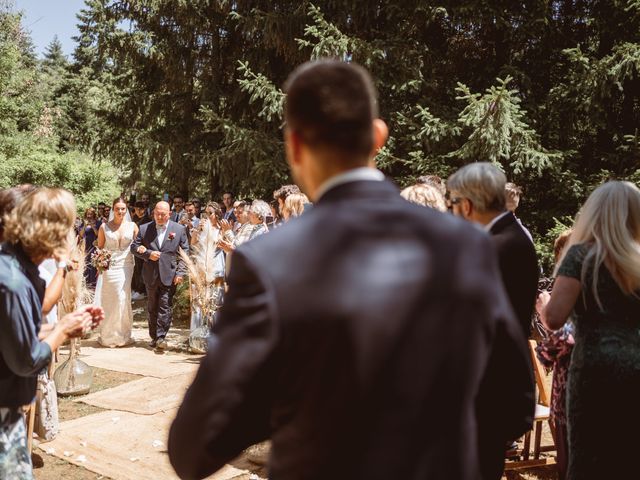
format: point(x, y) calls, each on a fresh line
point(284, 191)
point(332, 104)
point(140, 204)
point(188, 203)
point(177, 196)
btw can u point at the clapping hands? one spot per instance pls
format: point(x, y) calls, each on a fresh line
point(83, 320)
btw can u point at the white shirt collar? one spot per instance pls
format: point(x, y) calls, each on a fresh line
point(495, 220)
point(353, 175)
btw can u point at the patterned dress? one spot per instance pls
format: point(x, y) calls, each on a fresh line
point(603, 394)
point(15, 460)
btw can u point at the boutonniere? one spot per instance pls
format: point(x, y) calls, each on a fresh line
point(172, 235)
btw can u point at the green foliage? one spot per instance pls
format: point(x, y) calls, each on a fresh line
point(186, 96)
point(38, 136)
point(545, 244)
point(499, 132)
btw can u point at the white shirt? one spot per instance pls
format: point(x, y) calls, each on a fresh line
point(47, 271)
point(162, 231)
point(353, 175)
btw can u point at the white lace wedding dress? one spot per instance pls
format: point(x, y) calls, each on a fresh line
point(113, 292)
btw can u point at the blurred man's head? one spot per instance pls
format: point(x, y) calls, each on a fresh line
point(476, 192)
point(227, 199)
point(331, 121)
point(140, 209)
point(178, 203)
point(161, 213)
point(512, 195)
point(190, 208)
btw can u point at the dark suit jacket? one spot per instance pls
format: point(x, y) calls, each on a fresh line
point(170, 264)
point(519, 268)
point(357, 338)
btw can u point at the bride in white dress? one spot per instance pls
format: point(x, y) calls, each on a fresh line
point(113, 291)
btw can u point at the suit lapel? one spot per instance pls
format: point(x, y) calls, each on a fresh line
point(167, 240)
point(153, 234)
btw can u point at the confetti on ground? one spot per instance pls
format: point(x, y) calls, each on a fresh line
point(67, 453)
point(115, 419)
point(157, 444)
point(134, 459)
point(83, 444)
point(50, 451)
point(81, 458)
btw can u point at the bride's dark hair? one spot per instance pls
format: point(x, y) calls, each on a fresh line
point(118, 200)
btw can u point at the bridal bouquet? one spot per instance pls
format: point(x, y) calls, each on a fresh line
point(101, 259)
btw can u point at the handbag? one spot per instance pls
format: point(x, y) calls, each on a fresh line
point(46, 412)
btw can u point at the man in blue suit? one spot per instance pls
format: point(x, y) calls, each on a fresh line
point(157, 244)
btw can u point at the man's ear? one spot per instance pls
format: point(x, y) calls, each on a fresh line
point(467, 207)
point(293, 147)
point(380, 135)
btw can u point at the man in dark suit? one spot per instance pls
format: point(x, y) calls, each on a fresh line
point(359, 336)
point(477, 193)
point(157, 245)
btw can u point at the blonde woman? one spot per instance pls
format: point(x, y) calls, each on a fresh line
point(599, 281)
point(37, 229)
point(426, 195)
point(294, 205)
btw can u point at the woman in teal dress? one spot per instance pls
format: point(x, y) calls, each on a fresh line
point(599, 281)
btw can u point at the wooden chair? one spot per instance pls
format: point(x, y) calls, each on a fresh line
point(30, 418)
point(541, 415)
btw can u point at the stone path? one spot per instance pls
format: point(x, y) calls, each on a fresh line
point(128, 440)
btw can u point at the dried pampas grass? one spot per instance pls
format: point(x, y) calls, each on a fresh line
point(202, 269)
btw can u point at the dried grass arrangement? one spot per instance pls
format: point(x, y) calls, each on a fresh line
point(205, 274)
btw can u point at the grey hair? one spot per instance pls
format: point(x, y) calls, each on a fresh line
point(261, 209)
point(483, 184)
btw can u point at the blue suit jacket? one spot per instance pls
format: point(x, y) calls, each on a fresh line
point(170, 264)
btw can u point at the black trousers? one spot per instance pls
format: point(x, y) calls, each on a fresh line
point(159, 302)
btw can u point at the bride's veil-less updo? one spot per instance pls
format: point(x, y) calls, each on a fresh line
point(127, 215)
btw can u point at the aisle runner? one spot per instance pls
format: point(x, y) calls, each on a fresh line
point(145, 396)
point(123, 446)
point(139, 360)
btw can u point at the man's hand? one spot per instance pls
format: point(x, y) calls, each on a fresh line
point(141, 249)
point(154, 255)
point(225, 225)
point(177, 280)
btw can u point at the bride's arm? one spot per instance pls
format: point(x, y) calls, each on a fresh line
point(101, 238)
